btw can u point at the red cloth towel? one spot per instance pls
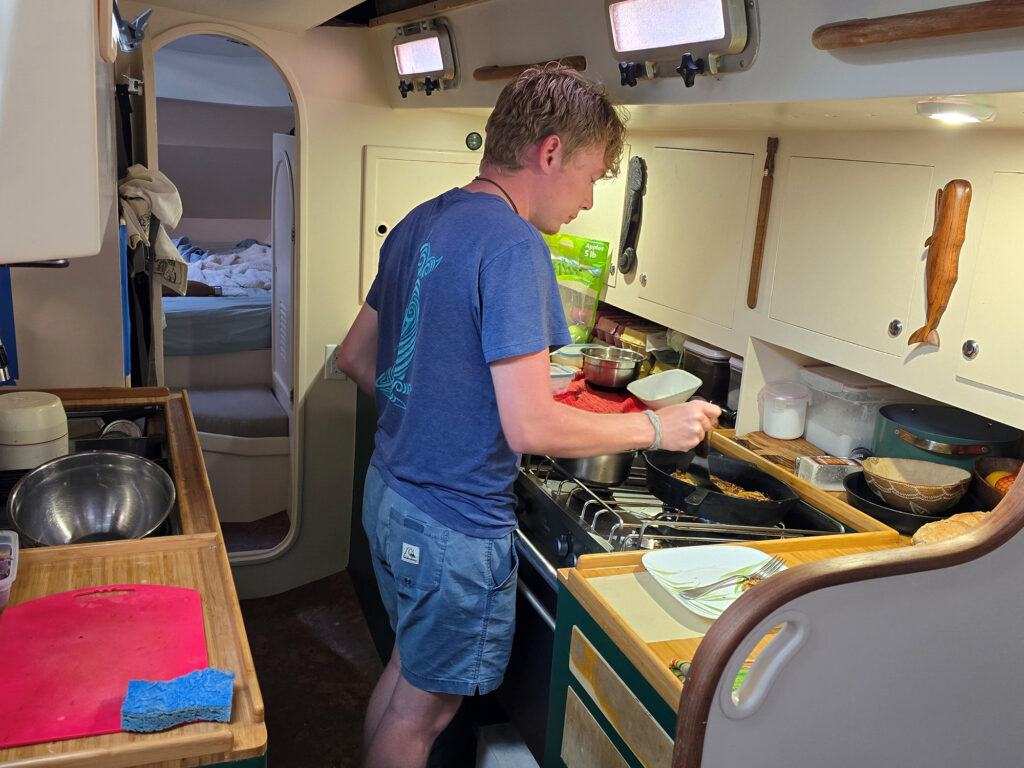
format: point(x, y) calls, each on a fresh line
point(585, 397)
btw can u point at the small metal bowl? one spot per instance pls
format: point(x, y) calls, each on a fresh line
point(91, 496)
point(610, 367)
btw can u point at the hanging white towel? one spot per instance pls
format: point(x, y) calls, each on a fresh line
point(145, 193)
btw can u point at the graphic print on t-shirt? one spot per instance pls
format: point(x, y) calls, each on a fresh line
point(392, 383)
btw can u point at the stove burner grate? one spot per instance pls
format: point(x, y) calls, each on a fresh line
point(629, 517)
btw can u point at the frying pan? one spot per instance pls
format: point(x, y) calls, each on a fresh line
point(711, 505)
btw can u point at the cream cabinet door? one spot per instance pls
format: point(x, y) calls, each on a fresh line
point(995, 296)
point(693, 231)
point(850, 255)
point(396, 180)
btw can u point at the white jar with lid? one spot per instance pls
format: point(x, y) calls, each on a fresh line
point(33, 429)
point(784, 409)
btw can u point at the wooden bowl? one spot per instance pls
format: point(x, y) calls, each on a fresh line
point(983, 467)
point(921, 487)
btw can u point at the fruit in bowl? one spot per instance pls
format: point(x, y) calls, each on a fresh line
point(1002, 480)
point(993, 477)
point(1003, 484)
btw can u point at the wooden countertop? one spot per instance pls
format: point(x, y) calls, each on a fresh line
point(197, 559)
point(652, 657)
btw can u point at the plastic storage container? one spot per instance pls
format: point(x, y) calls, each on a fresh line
point(711, 366)
point(844, 407)
point(33, 429)
point(561, 377)
point(785, 409)
point(569, 355)
point(8, 564)
point(732, 401)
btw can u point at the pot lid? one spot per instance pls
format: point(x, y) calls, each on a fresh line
point(949, 422)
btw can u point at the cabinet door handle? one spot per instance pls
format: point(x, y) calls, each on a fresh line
point(762, 223)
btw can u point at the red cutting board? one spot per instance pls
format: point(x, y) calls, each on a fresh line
point(66, 659)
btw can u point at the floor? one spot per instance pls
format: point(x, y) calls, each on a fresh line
point(264, 533)
point(317, 666)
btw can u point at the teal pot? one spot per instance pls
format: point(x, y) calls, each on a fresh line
point(942, 434)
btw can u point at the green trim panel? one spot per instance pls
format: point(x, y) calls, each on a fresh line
point(571, 613)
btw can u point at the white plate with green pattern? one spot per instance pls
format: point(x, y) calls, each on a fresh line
point(678, 568)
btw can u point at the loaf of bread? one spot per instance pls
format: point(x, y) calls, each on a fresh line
point(952, 526)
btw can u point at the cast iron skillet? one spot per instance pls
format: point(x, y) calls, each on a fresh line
point(713, 506)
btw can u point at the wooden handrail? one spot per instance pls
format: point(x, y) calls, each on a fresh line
point(920, 25)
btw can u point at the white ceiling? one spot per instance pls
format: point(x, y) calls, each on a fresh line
point(285, 15)
point(216, 69)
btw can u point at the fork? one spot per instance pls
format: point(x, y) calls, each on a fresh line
point(768, 568)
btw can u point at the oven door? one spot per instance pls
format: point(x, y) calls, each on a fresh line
point(524, 692)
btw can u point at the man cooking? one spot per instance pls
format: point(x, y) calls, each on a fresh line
point(453, 341)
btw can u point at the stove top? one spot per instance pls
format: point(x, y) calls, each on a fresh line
point(564, 517)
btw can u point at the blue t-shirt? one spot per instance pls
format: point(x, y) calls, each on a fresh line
point(462, 282)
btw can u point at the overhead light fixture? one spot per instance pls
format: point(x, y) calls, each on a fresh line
point(709, 36)
point(425, 57)
point(955, 111)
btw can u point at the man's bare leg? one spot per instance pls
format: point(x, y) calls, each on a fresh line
point(381, 696)
point(407, 727)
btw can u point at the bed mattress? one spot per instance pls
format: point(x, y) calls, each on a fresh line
point(207, 325)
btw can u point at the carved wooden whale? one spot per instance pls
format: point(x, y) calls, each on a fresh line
point(951, 205)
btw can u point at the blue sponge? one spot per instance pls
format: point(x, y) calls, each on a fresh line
point(156, 706)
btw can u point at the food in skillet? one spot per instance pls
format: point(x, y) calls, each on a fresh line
point(729, 489)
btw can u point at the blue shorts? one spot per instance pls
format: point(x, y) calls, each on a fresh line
point(451, 597)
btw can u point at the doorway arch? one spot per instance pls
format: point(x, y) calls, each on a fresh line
point(280, 384)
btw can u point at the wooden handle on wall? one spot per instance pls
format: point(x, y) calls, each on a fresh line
point(487, 74)
point(920, 25)
point(762, 223)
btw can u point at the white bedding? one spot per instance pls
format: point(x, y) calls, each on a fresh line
point(239, 272)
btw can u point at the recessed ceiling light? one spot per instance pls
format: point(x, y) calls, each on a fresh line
point(955, 111)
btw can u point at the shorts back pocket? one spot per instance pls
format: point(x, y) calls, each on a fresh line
point(416, 550)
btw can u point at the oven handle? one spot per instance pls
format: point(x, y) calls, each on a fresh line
point(533, 556)
point(532, 599)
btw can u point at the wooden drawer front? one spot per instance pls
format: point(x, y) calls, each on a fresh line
point(637, 727)
point(584, 744)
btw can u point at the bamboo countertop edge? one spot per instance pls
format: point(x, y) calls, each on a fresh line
point(652, 659)
point(197, 559)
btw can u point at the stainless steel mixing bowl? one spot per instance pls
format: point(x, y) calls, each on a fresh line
point(610, 367)
point(91, 496)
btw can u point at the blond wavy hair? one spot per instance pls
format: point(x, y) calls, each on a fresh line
point(546, 100)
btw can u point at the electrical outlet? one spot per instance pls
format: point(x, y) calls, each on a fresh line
point(331, 371)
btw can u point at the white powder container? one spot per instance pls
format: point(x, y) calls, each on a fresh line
point(784, 405)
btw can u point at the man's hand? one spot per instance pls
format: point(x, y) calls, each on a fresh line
point(683, 426)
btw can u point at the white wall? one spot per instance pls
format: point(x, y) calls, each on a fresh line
point(219, 157)
point(787, 68)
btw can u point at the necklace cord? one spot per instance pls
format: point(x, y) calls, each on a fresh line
point(502, 189)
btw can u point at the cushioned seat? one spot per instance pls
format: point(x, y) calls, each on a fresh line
point(242, 412)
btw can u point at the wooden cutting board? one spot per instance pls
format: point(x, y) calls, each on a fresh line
point(780, 452)
point(66, 659)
